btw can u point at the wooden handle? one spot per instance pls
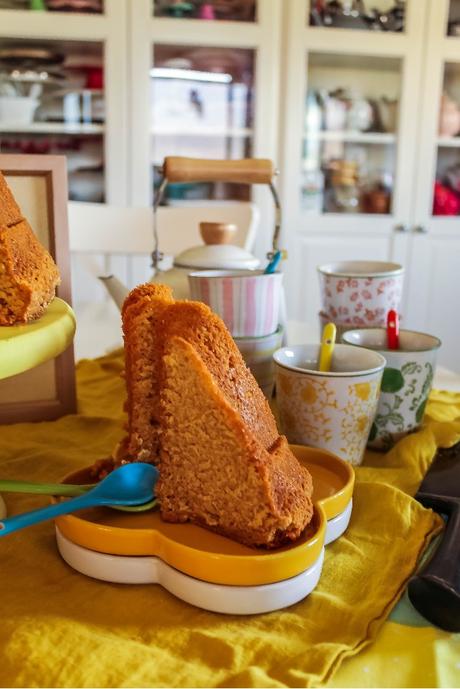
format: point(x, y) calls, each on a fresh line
point(246, 171)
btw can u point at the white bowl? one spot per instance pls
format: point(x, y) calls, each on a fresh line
point(18, 109)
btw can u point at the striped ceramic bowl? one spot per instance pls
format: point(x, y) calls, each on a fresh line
point(248, 301)
point(258, 355)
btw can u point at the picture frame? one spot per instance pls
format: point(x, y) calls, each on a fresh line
point(39, 185)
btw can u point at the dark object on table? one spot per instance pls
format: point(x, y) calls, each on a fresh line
point(435, 591)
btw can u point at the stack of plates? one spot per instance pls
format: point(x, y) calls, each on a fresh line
point(204, 568)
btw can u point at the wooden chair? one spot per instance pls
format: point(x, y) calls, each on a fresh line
point(118, 240)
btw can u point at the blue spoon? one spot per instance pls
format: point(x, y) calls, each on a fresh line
point(273, 265)
point(131, 484)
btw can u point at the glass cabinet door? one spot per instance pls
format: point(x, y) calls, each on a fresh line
point(446, 193)
point(201, 106)
point(365, 15)
point(52, 102)
point(350, 133)
point(223, 10)
point(453, 20)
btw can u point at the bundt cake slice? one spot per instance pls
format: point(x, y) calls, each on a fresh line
point(213, 470)
point(28, 275)
point(10, 213)
point(151, 318)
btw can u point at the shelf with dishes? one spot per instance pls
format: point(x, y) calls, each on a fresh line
point(446, 193)
point(214, 10)
point(42, 6)
point(53, 128)
point(52, 101)
point(219, 132)
point(202, 101)
point(367, 15)
point(448, 142)
point(350, 136)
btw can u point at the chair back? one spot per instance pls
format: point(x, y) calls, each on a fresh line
point(119, 240)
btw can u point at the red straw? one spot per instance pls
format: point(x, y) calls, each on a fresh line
point(392, 330)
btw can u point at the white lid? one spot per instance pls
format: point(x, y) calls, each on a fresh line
point(218, 257)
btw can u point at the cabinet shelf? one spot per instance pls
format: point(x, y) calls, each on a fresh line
point(376, 138)
point(240, 132)
point(449, 141)
point(52, 128)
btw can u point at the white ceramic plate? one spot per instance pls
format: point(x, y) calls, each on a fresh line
point(234, 600)
point(336, 526)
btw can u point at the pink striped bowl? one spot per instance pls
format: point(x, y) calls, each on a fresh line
point(248, 301)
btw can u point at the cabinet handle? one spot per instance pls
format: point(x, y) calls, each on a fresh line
point(401, 228)
point(420, 229)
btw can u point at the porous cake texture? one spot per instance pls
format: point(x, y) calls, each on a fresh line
point(28, 274)
point(196, 411)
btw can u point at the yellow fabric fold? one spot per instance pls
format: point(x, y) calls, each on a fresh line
point(61, 629)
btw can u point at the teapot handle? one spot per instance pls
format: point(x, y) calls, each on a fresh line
point(245, 171)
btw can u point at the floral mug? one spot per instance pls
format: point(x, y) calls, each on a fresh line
point(334, 410)
point(360, 293)
point(406, 381)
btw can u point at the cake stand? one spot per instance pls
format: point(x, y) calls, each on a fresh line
point(25, 346)
point(28, 345)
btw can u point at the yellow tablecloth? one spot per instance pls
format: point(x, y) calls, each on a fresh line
point(60, 629)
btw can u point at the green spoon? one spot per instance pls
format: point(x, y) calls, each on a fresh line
point(65, 490)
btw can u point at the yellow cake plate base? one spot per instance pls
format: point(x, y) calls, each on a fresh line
point(207, 556)
point(23, 347)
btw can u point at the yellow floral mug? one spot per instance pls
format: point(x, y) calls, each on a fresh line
point(334, 410)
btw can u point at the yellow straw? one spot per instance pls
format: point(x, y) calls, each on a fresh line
point(327, 347)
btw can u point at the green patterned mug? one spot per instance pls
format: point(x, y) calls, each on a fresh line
point(406, 381)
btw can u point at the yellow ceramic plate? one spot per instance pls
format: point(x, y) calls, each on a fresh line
point(23, 347)
point(333, 479)
point(205, 555)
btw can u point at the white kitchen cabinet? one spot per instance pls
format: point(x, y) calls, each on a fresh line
point(275, 60)
point(97, 151)
point(247, 53)
point(323, 152)
point(433, 288)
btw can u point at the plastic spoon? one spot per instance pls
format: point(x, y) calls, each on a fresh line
point(392, 329)
point(65, 490)
point(327, 347)
point(131, 484)
point(274, 262)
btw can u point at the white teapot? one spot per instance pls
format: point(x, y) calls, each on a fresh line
point(217, 253)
